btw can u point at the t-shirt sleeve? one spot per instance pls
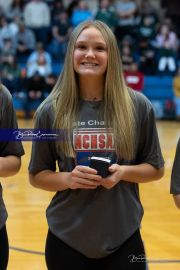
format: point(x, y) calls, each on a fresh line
point(43, 154)
point(9, 121)
point(149, 150)
point(175, 176)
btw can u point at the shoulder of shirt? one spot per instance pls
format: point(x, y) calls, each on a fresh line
point(45, 112)
point(6, 95)
point(141, 103)
point(141, 98)
point(5, 100)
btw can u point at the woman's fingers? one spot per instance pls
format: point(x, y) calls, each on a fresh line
point(86, 169)
point(86, 181)
point(83, 183)
point(84, 177)
point(86, 172)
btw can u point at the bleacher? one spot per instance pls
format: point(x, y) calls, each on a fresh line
point(158, 88)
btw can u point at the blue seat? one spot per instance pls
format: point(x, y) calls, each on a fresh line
point(17, 104)
point(158, 87)
point(57, 68)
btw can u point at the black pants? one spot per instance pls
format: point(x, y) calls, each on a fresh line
point(4, 249)
point(60, 256)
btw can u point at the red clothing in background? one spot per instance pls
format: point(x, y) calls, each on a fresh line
point(134, 80)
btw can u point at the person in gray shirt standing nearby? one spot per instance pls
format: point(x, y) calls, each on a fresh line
point(10, 163)
point(94, 219)
point(175, 177)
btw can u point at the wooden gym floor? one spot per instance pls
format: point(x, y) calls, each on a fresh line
point(27, 226)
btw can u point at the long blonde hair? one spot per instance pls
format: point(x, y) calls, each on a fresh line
point(119, 111)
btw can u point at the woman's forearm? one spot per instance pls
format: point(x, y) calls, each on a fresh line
point(9, 165)
point(49, 180)
point(141, 173)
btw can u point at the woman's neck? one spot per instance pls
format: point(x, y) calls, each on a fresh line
point(91, 89)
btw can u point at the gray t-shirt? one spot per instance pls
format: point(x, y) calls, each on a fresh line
point(7, 121)
point(175, 176)
point(96, 222)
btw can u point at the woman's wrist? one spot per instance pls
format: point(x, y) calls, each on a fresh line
point(123, 171)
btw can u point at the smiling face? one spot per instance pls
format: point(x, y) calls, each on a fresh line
point(91, 53)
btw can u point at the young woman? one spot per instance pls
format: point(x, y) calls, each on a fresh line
point(10, 163)
point(93, 221)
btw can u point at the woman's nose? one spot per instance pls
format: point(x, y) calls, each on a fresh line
point(90, 54)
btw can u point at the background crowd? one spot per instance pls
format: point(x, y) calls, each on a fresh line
point(34, 36)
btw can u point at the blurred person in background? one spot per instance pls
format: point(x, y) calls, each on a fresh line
point(110, 7)
point(7, 48)
point(41, 66)
point(105, 15)
point(33, 57)
point(37, 17)
point(127, 41)
point(34, 88)
point(167, 44)
point(61, 31)
point(147, 57)
point(81, 14)
point(146, 29)
point(11, 74)
point(57, 9)
point(15, 9)
point(127, 50)
point(14, 25)
point(127, 57)
point(8, 29)
point(50, 83)
point(5, 31)
point(134, 78)
point(147, 10)
point(24, 42)
point(126, 18)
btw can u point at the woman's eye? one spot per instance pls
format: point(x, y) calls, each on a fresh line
point(81, 47)
point(100, 48)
